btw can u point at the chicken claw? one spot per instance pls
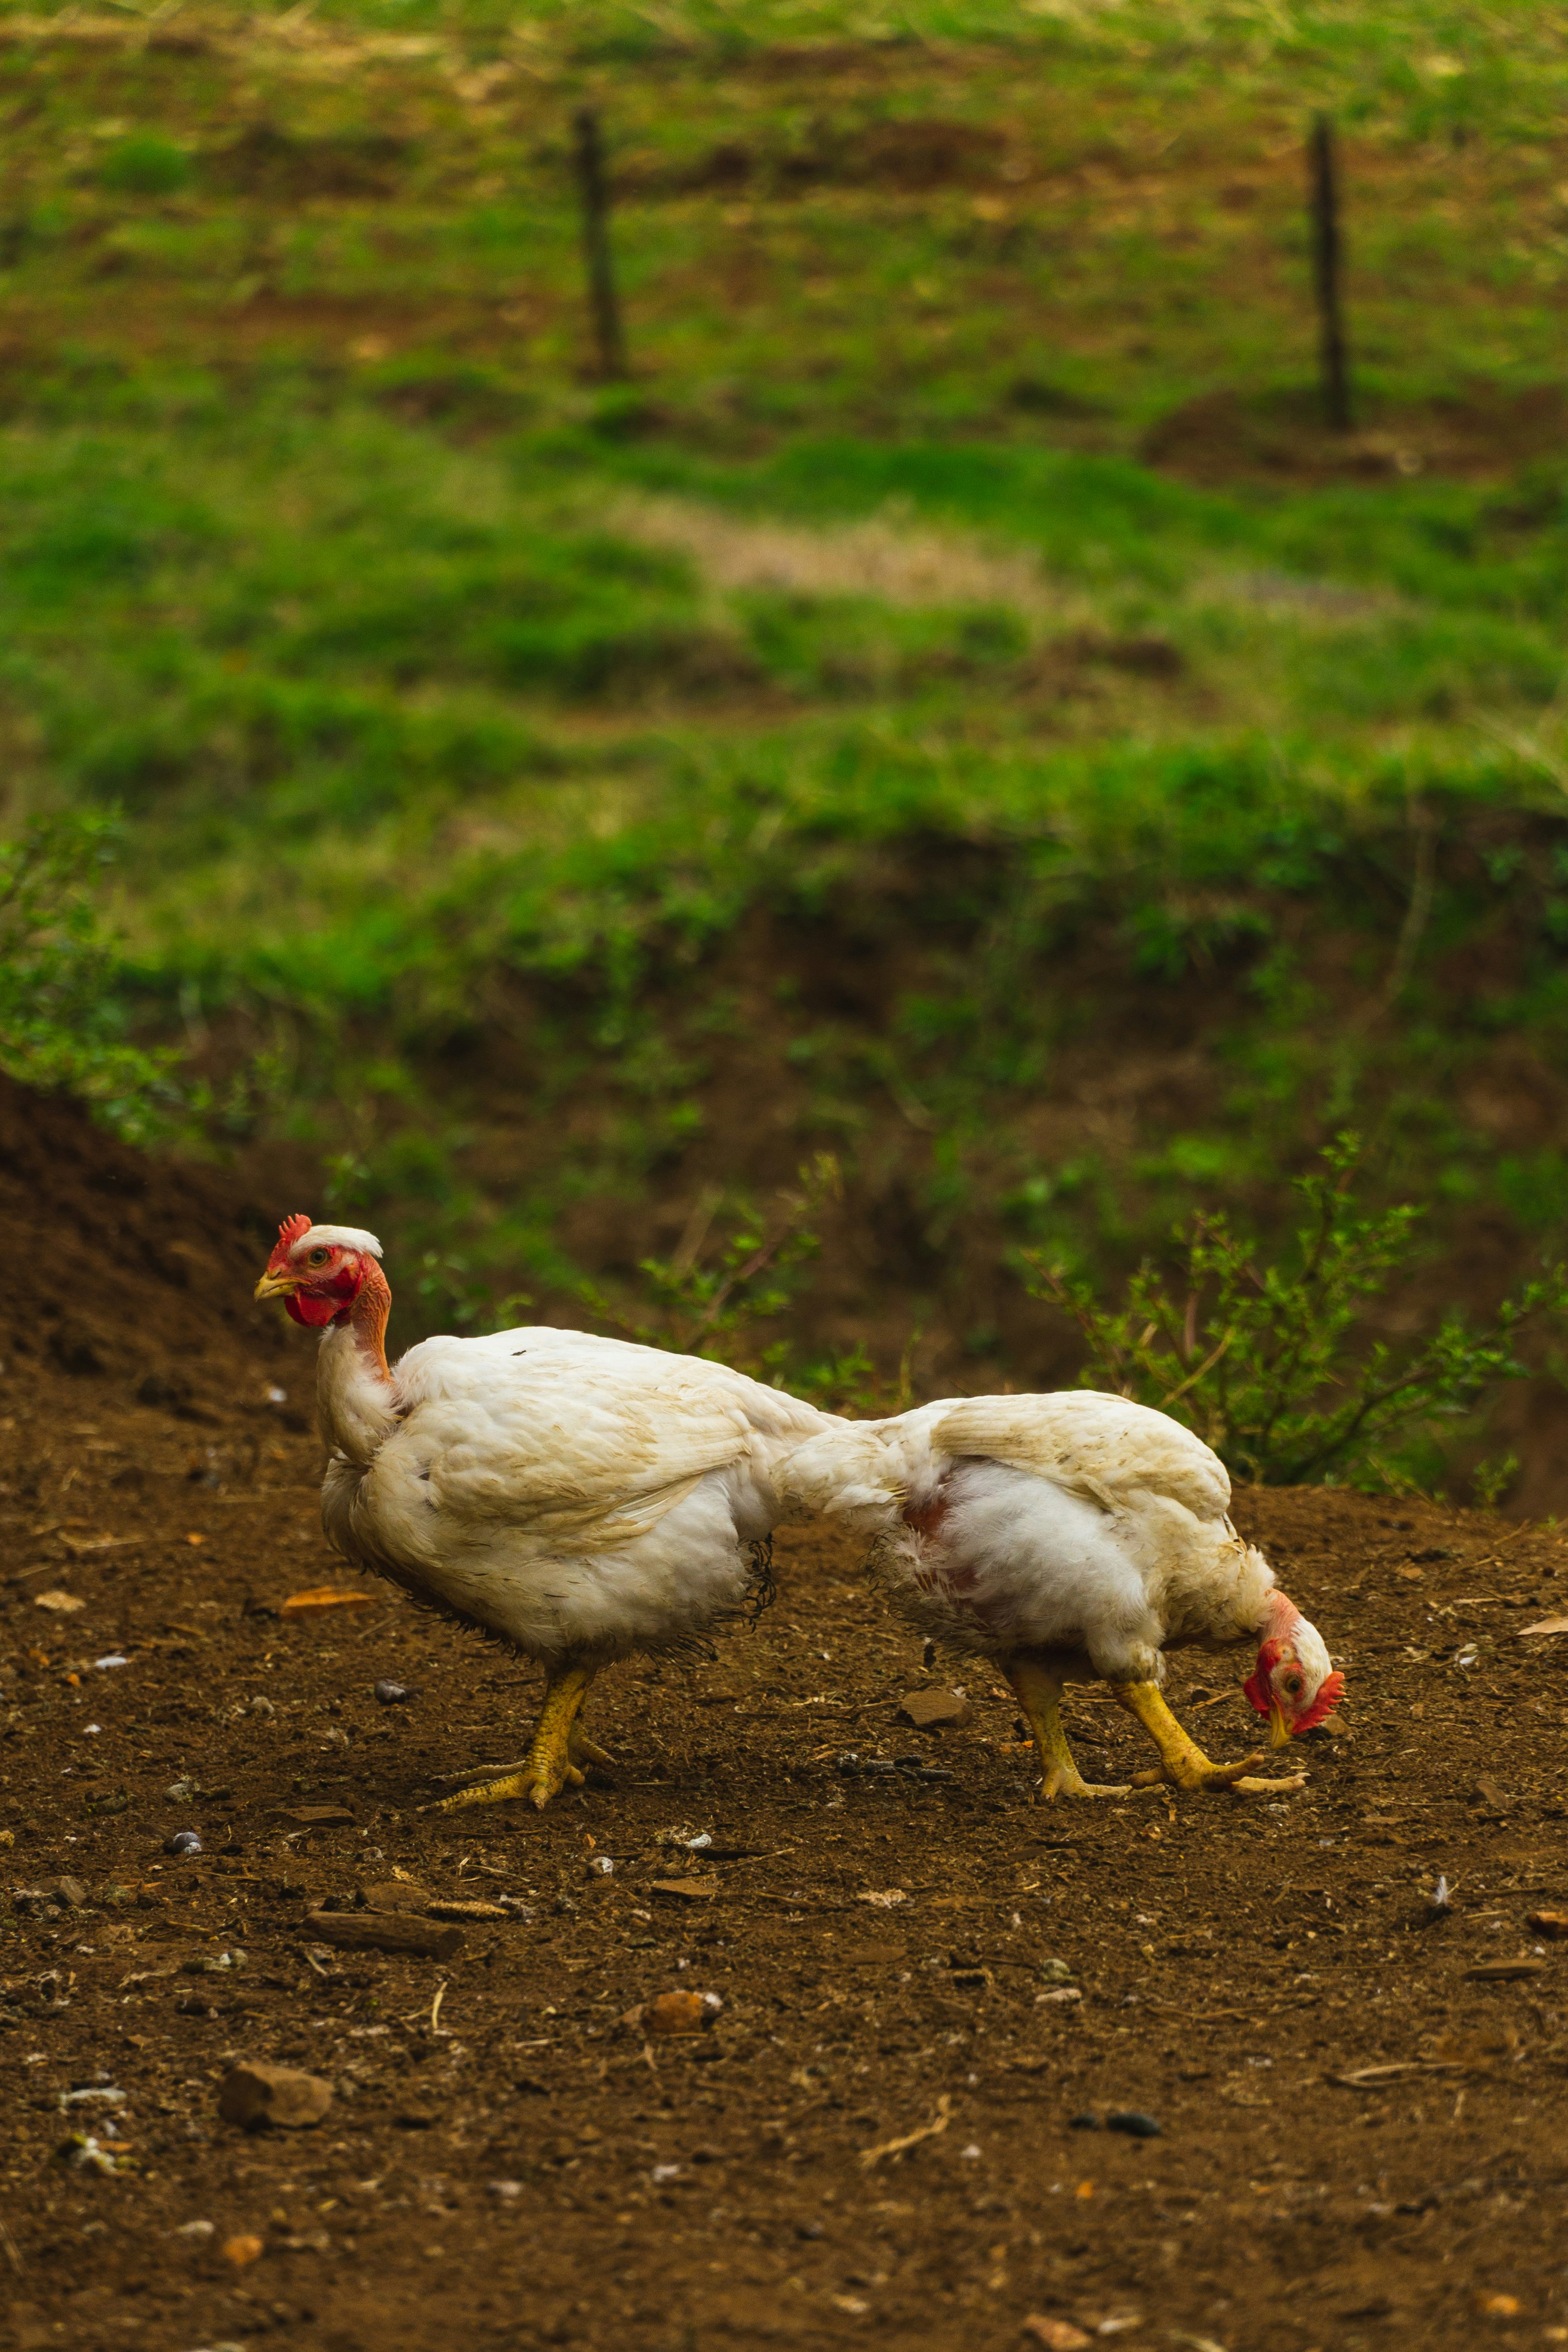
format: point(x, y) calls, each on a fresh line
point(550, 1765)
point(1039, 1695)
point(1183, 1763)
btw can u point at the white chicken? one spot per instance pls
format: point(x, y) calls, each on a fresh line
point(581, 1497)
point(1070, 1537)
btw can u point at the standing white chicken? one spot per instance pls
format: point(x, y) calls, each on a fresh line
point(582, 1497)
point(1070, 1537)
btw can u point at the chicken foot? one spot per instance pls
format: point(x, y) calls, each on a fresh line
point(556, 1754)
point(1182, 1761)
point(1040, 1693)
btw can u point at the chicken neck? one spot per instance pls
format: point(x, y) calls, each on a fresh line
point(557, 1752)
point(357, 1393)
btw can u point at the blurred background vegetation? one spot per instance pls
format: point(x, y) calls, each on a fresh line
point(954, 715)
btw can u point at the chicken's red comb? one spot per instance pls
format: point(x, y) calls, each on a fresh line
point(291, 1231)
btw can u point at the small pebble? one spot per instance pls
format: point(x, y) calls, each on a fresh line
point(262, 1707)
point(393, 1694)
point(255, 2093)
point(183, 1842)
point(1136, 2125)
point(1085, 2122)
point(601, 1866)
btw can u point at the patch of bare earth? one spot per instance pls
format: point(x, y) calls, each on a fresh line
point(898, 563)
point(1359, 2136)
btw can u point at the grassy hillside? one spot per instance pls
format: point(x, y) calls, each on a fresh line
point(956, 709)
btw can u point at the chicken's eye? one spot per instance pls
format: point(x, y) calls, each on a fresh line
point(1293, 1684)
point(318, 1257)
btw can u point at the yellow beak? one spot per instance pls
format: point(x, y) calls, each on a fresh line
point(276, 1286)
point(1278, 1729)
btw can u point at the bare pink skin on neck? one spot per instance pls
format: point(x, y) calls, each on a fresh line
point(1281, 1618)
point(367, 1317)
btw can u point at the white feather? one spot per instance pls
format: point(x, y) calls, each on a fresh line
point(1079, 1524)
point(582, 1496)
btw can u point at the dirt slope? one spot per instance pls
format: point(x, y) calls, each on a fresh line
point(508, 2162)
point(121, 1266)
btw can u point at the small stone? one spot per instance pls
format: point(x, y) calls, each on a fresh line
point(262, 1707)
point(1504, 1971)
point(196, 2230)
point(59, 1604)
point(212, 1964)
point(1087, 2121)
point(397, 1895)
point(1498, 2306)
point(1054, 1971)
point(1135, 2125)
point(241, 2250)
point(183, 1842)
point(68, 1890)
point(393, 1694)
point(1055, 2334)
point(82, 2151)
point(935, 1710)
point(255, 2094)
point(673, 2012)
point(601, 1866)
point(1488, 1793)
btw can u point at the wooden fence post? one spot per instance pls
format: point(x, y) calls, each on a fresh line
point(602, 298)
point(1326, 256)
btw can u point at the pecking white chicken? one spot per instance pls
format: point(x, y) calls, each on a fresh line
point(581, 1497)
point(1071, 1538)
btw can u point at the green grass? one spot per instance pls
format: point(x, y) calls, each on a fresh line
point(543, 805)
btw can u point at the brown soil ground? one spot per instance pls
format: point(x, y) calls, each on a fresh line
point(1225, 436)
point(505, 2159)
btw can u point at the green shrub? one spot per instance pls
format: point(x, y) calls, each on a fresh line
point(60, 1019)
point(1270, 1361)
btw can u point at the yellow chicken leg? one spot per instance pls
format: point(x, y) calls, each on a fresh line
point(1039, 1695)
point(1182, 1762)
point(549, 1765)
